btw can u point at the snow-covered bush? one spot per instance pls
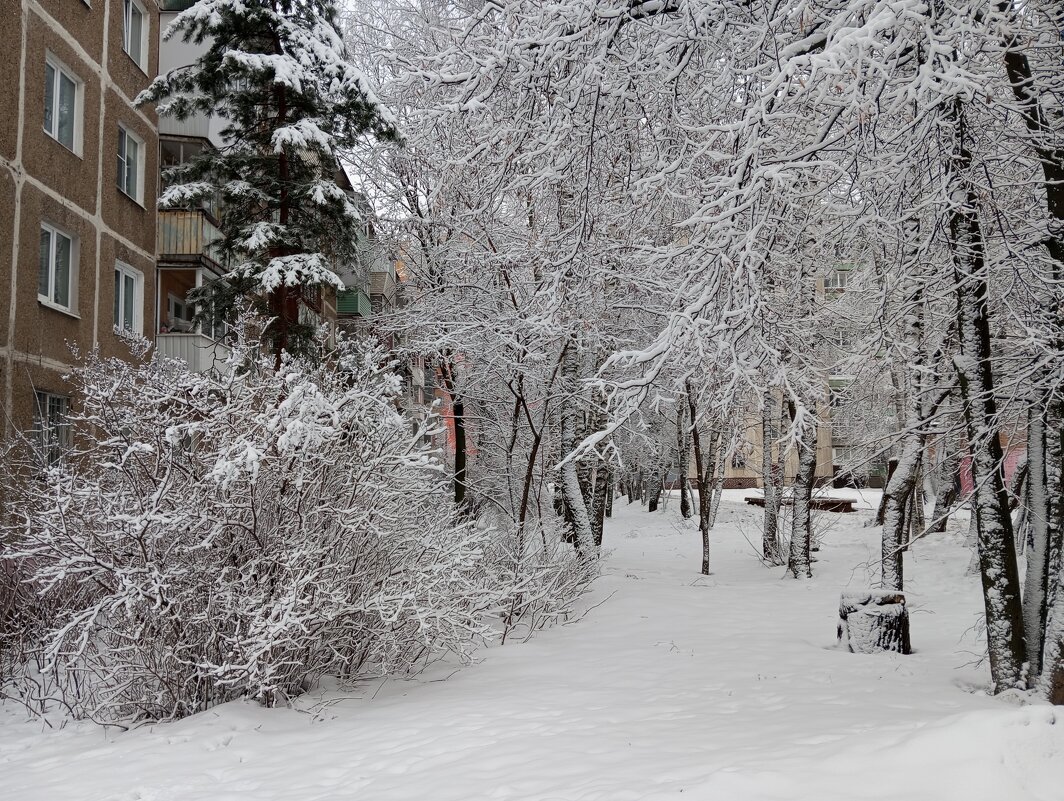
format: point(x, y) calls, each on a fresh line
point(210, 538)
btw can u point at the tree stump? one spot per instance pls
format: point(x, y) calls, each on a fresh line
point(874, 620)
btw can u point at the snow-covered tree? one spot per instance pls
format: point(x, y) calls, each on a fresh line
point(277, 74)
point(717, 157)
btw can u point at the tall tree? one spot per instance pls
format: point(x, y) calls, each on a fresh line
point(276, 73)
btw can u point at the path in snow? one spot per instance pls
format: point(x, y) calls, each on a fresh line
point(678, 686)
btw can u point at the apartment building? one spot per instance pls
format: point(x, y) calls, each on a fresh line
point(78, 186)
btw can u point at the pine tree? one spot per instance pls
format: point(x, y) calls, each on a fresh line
point(276, 72)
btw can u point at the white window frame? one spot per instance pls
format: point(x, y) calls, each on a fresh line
point(127, 10)
point(72, 276)
point(123, 131)
point(52, 438)
point(836, 280)
point(126, 271)
point(60, 68)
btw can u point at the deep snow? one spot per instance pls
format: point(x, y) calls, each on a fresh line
point(673, 686)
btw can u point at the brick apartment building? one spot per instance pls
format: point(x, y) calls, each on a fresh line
point(78, 185)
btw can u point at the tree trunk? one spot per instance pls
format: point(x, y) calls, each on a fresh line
point(700, 481)
point(654, 490)
point(949, 490)
point(530, 473)
point(997, 557)
point(279, 300)
point(1055, 495)
point(1043, 122)
point(610, 491)
point(458, 409)
point(572, 493)
point(600, 501)
point(1052, 681)
point(1036, 580)
point(881, 510)
point(594, 480)
point(772, 478)
point(917, 519)
point(717, 484)
point(896, 498)
point(458, 419)
point(585, 472)
point(683, 459)
point(799, 560)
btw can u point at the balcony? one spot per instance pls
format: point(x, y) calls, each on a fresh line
point(352, 303)
point(179, 334)
point(189, 235)
point(201, 353)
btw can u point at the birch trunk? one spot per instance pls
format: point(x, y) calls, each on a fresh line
point(799, 561)
point(600, 502)
point(717, 485)
point(902, 502)
point(700, 481)
point(997, 557)
point(598, 480)
point(772, 474)
point(1052, 680)
point(572, 493)
point(1036, 580)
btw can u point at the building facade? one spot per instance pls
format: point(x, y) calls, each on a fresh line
point(78, 187)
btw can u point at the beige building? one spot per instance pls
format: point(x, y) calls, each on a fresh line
point(78, 186)
point(743, 469)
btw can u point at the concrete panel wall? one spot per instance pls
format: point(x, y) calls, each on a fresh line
point(41, 180)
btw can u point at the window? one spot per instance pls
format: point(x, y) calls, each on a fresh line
point(839, 390)
point(843, 454)
point(55, 284)
point(841, 338)
point(180, 313)
point(51, 425)
point(838, 277)
point(134, 30)
point(835, 281)
point(175, 152)
point(130, 164)
point(128, 298)
point(62, 105)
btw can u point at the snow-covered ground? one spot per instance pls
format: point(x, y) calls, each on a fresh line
point(674, 686)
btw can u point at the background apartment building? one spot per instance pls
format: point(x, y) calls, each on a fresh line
point(78, 186)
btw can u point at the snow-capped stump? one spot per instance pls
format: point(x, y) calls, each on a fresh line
point(874, 620)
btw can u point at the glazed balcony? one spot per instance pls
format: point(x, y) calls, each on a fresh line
point(188, 235)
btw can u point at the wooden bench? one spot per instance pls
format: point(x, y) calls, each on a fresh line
point(840, 505)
